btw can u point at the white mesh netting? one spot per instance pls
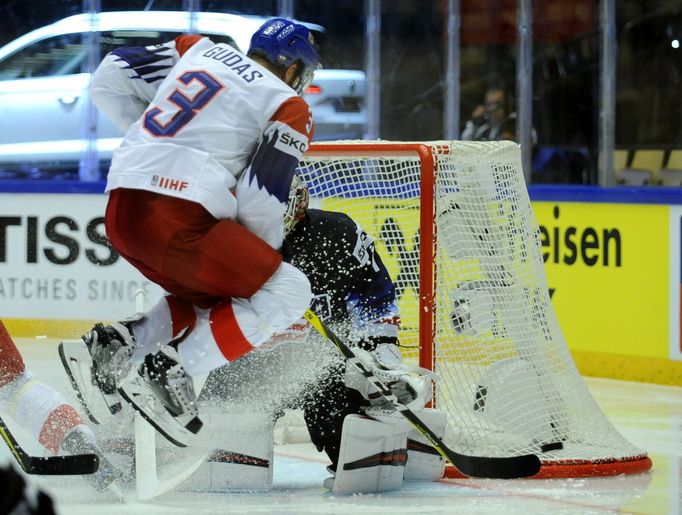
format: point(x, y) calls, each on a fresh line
point(509, 385)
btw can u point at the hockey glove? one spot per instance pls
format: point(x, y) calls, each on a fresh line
point(410, 384)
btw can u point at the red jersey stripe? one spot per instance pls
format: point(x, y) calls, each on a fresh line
point(11, 363)
point(58, 423)
point(295, 113)
point(182, 314)
point(227, 333)
point(185, 42)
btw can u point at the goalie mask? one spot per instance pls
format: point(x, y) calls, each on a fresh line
point(283, 43)
point(297, 205)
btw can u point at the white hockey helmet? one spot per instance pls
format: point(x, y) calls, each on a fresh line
point(297, 205)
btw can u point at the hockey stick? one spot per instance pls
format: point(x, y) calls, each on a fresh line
point(50, 465)
point(473, 466)
point(147, 481)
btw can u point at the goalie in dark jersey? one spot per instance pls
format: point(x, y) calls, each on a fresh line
point(351, 288)
point(354, 293)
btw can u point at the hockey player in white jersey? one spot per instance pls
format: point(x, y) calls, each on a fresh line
point(197, 193)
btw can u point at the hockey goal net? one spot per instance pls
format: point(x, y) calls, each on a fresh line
point(454, 225)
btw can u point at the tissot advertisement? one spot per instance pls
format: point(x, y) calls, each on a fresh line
point(56, 263)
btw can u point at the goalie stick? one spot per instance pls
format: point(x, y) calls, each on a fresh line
point(50, 465)
point(147, 481)
point(473, 466)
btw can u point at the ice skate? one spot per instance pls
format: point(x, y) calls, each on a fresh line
point(163, 393)
point(95, 364)
point(328, 482)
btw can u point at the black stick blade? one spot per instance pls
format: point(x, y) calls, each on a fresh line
point(512, 467)
point(75, 464)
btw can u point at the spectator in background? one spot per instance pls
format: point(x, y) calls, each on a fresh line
point(495, 119)
point(487, 119)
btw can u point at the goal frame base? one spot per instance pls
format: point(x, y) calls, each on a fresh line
point(579, 469)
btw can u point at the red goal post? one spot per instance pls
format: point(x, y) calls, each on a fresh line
point(454, 225)
point(426, 159)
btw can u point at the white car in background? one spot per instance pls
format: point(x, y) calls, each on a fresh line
point(44, 92)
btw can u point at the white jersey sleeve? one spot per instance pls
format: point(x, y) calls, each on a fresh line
point(127, 79)
point(263, 190)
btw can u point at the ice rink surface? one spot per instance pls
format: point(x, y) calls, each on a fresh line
point(648, 415)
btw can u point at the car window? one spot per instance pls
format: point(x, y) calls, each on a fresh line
point(59, 55)
point(111, 40)
point(114, 39)
point(65, 54)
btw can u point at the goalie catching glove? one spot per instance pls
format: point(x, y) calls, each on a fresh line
point(412, 385)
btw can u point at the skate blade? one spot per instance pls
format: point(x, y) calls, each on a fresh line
point(152, 410)
point(77, 364)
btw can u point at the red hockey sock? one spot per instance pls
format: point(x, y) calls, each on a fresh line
point(11, 362)
point(58, 423)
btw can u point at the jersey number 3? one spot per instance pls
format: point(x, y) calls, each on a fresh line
point(187, 106)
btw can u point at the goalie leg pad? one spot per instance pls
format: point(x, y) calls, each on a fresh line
point(423, 461)
point(372, 456)
point(240, 456)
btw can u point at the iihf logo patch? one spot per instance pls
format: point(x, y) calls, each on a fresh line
point(167, 183)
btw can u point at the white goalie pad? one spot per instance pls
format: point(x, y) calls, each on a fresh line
point(151, 477)
point(239, 449)
point(423, 461)
point(372, 455)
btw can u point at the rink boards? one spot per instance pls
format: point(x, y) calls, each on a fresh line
point(613, 269)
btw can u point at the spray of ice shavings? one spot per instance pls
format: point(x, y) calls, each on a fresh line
point(269, 382)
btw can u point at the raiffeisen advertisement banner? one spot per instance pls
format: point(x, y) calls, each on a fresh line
point(613, 271)
point(608, 274)
point(675, 282)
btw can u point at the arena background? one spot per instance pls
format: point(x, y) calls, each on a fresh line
point(597, 81)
